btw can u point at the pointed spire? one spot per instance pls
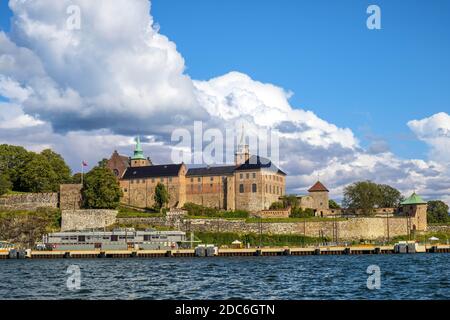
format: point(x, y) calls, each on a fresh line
point(138, 152)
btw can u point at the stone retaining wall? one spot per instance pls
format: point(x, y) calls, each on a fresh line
point(29, 201)
point(349, 229)
point(75, 220)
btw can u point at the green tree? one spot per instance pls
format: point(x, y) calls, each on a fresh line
point(101, 189)
point(161, 196)
point(76, 178)
point(389, 197)
point(290, 201)
point(363, 195)
point(333, 204)
point(103, 163)
point(5, 184)
point(38, 176)
point(437, 212)
point(58, 165)
point(277, 205)
point(12, 161)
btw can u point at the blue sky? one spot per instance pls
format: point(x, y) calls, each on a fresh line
point(372, 81)
point(97, 91)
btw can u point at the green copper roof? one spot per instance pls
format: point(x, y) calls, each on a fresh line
point(414, 199)
point(138, 153)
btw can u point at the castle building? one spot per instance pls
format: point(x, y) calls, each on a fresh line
point(415, 208)
point(253, 183)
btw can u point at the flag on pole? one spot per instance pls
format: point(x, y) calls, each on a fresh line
point(84, 163)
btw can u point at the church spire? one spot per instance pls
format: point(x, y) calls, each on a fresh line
point(138, 152)
point(242, 153)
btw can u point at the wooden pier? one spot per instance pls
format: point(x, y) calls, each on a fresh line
point(226, 252)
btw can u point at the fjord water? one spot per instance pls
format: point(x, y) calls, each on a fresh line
point(414, 276)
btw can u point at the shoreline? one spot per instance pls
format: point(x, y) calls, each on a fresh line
point(222, 252)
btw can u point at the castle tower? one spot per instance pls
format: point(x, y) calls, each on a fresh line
point(138, 159)
point(319, 193)
point(416, 208)
point(243, 152)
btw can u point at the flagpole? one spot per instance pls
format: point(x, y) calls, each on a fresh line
point(82, 171)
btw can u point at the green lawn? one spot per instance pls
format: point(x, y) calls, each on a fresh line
point(125, 212)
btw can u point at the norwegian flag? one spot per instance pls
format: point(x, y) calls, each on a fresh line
point(84, 163)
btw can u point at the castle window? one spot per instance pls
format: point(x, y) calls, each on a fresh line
point(199, 179)
point(270, 188)
point(125, 190)
point(192, 179)
point(241, 188)
point(132, 181)
point(212, 178)
point(266, 188)
point(247, 175)
point(116, 172)
point(241, 176)
point(254, 175)
point(254, 187)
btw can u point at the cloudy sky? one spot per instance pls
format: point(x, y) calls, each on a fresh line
point(346, 102)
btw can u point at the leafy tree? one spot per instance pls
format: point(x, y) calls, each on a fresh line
point(5, 184)
point(437, 212)
point(58, 165)
point(38, 176)
point(364, 195)
point(277, 205)
point(101, 189)
point(290, 201)
point(333, 204)
point(76, 178)
point(12, 161)
point(389, 197)
point(161, 196)
point(103, 163)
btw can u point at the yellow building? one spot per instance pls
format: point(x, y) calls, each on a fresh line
point(253, 183)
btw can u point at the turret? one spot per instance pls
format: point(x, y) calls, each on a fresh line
point(416, 208)
point(138, 159)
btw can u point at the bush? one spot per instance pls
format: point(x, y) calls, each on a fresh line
point(101, 189)
point(277, 205)
point(198, 210)
point(300, 213)
point(5, 184)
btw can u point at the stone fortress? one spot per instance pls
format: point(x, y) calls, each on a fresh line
point(252, 183)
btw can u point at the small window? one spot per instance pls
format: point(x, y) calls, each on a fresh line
point(192, 179)
point(266, 188)
point(241, 188)
point(254, 175)
point(247, 176)
point(199, 179)
point(125, 190)
point(132, 181)
point(211, 179)
point(254, 187)
point(241, 176)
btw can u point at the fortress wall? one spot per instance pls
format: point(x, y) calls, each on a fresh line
point(351, 229)
point(29, 201)
point(75, 220)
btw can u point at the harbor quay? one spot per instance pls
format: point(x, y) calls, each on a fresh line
point(407, 247)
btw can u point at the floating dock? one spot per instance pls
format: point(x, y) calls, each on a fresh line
point(228, 252)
